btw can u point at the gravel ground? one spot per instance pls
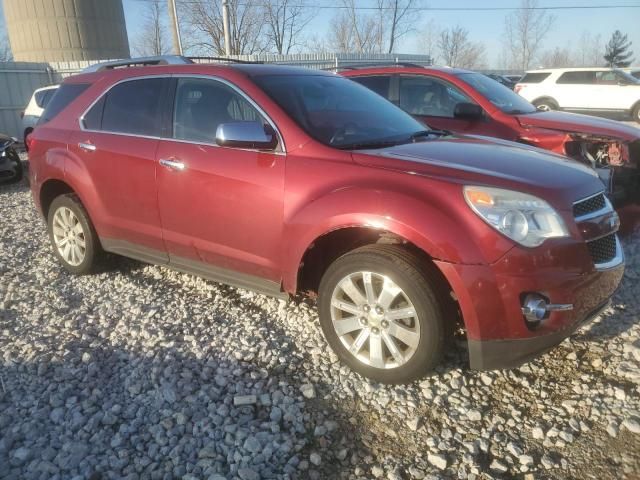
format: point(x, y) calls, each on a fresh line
point(141, 372)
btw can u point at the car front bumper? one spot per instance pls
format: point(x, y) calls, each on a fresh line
point(501, 354)
point(491, 297)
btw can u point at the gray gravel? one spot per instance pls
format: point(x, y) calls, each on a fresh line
point(143, 373)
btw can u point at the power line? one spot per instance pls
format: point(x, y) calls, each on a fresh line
point(429, 9)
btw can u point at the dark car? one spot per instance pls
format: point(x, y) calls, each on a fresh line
point(286, 180)
point(502, 80)
point(468, 102)
point(10, 164)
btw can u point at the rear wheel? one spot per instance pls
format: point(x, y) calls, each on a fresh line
point(380, 313)
point(73, 237)
point(546, 104)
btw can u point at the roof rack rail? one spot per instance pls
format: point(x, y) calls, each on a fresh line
point(356, 66)
point(138, 62)
point(225, 59)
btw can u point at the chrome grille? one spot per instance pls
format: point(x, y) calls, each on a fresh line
point(589, 205)
point(604, 249)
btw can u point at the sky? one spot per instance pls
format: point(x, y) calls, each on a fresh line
point(485, 27)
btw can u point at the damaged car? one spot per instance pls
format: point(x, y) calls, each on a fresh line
point(467, 102)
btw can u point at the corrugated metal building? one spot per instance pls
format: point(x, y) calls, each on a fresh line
point(66, 30)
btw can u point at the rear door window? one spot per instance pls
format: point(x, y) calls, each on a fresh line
point(62, 97)
point(380, 84)
point(534, 77)
point(580, 77)
point(133, 107)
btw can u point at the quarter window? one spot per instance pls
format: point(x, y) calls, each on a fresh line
point(429, 96)
point(62, 97)
point(379, 84)
point(534, 77)
point(132, 107)
point(201, 105)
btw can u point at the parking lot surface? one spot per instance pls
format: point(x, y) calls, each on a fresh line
point(140, 372)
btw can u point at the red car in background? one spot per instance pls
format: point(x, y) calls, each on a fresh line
point(468, 102)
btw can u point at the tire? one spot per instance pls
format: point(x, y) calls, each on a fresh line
point(546, 104)
point(635, 113)
point(425, 333)
point(81, 250)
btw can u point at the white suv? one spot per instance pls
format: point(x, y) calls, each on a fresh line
point(601, 91)
point(34, 109)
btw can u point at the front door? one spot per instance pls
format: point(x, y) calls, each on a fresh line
point(433, 100)
point(220, 207)
point(117, 150)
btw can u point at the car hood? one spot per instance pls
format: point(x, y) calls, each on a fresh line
point(488, 161)
point(576, 123)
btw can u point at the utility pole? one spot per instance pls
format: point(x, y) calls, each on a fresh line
point(175, 28)
point(225, 25)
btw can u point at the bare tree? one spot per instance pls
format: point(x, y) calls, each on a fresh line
point(428, 39)
point(203, 27)
point(590, 50)
point(524, 32)
point(285, 20)
point(401, 19)
point(456, 50)
point(557, 58)
point(375, 31)
point(353, 31)
point(152, 39)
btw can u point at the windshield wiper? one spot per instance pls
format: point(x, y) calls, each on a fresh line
point(362, 145)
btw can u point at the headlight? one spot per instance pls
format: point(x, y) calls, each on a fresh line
point(523, 218)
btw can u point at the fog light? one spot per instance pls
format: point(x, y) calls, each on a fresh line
point(537, 308)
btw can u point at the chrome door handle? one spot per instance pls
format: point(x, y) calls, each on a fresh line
point(87, 147)
point(172, 164)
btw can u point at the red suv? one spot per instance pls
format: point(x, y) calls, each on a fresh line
point(468, 102)
point(286, 180)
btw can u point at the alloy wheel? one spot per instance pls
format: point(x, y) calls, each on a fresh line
point(375, 320)
point(69, 236)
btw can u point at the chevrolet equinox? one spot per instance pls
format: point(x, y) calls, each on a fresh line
point(285, 180)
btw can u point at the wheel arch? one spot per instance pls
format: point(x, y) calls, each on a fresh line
point(50, 190)
point(328, 247)
point(545, 97)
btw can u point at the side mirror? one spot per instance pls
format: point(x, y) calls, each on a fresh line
point(468, 111)
point(254, 135)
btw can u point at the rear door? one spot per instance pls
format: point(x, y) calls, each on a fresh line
point(576, 90)
point(117, 147)
point(221, 208)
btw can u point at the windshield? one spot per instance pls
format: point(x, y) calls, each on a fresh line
point(339, 112)
point(502, 97)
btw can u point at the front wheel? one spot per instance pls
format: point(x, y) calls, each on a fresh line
point(17, 172)
point(380, 314)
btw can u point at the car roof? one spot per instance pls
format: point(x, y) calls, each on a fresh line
point(576, 69)
point(48, 87)
point(248, 69)
point(355, 70)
